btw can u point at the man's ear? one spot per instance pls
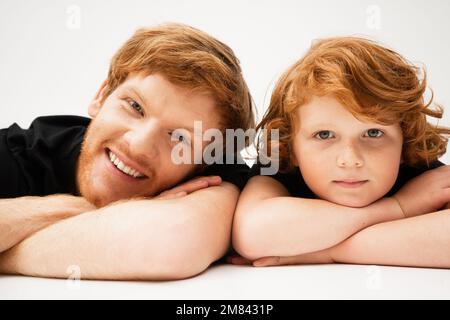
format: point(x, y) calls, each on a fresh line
point(96, 103)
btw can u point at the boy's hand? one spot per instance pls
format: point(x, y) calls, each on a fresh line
point(319, 257)
point(425, 193)
point(190, 186)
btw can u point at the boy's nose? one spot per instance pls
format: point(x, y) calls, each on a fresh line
point(349, 157)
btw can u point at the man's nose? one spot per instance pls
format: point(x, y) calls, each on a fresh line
point(145, 139)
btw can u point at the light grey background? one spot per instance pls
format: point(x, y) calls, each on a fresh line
point(54, 54)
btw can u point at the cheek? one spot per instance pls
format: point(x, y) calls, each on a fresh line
point(314, 168)
point(385, 160)
point(385, 170)
point(113, 114)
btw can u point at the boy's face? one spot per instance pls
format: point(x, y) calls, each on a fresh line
point(131, 131)
point(342, 159)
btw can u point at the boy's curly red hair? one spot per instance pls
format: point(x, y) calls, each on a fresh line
point(374, 83)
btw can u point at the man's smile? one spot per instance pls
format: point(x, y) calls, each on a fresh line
point(123, 167)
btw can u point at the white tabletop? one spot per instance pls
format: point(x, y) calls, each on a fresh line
point(244, 282)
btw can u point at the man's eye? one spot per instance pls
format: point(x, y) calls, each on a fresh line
point(136, 106)
point(323, 135)
point(178, 137)
point(374, 133)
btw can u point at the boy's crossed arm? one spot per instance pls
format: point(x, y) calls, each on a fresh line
point(422, 241)
point(315, 231)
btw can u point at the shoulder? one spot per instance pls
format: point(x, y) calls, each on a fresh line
point(292, 181)
point(235, 172)
point(45, 128)
point(407, 173)
point(42, 158)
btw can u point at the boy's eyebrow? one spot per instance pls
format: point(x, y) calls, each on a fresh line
point(326, 125)
point(318, 124)
point(146, 104)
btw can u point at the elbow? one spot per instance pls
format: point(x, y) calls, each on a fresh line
point(248, 236)
point(185, 254)
point(176, 261)
point(182, 266)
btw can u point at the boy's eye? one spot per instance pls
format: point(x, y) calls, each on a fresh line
point(323, 135)
point(136, 106)
point(326, 134)
point(374, 133)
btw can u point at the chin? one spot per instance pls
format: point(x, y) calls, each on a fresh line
point(93, 197)
point(356, 204)
point(353, 203)
point(95, 193)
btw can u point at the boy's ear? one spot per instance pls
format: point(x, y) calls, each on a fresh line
point(294, 160)
point(95, 104)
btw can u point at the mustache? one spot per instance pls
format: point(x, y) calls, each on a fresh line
point(141, 159)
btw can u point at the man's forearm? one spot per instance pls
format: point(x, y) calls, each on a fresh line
point(288, 226)
point(141, 239)
point(21, 217)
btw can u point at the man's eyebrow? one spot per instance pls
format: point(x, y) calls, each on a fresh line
point(188, 128)
point(146, 104)
point(138, 93)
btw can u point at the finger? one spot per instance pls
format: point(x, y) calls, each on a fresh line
point(214, 180)
point(268, 261)
point(238, 260)
point(200, 183)
point(170, 196)
point(192, 185)
point(188, 187)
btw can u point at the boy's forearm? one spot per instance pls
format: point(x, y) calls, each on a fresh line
point(142, 239)
point(422, 241)
point(288, 226)
point(21, 217)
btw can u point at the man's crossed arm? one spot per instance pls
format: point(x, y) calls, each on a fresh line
point(175, 236)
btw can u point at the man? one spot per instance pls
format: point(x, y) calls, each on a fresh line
point(64, 176)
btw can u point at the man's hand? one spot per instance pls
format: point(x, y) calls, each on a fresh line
point(190, 186)
point(426, 193)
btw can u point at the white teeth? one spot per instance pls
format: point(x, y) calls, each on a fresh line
point(122, 167)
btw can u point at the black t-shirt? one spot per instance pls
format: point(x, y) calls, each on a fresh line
point(297, 186)
point(42, 160)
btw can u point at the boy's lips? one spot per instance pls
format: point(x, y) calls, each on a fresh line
point(350, 183)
